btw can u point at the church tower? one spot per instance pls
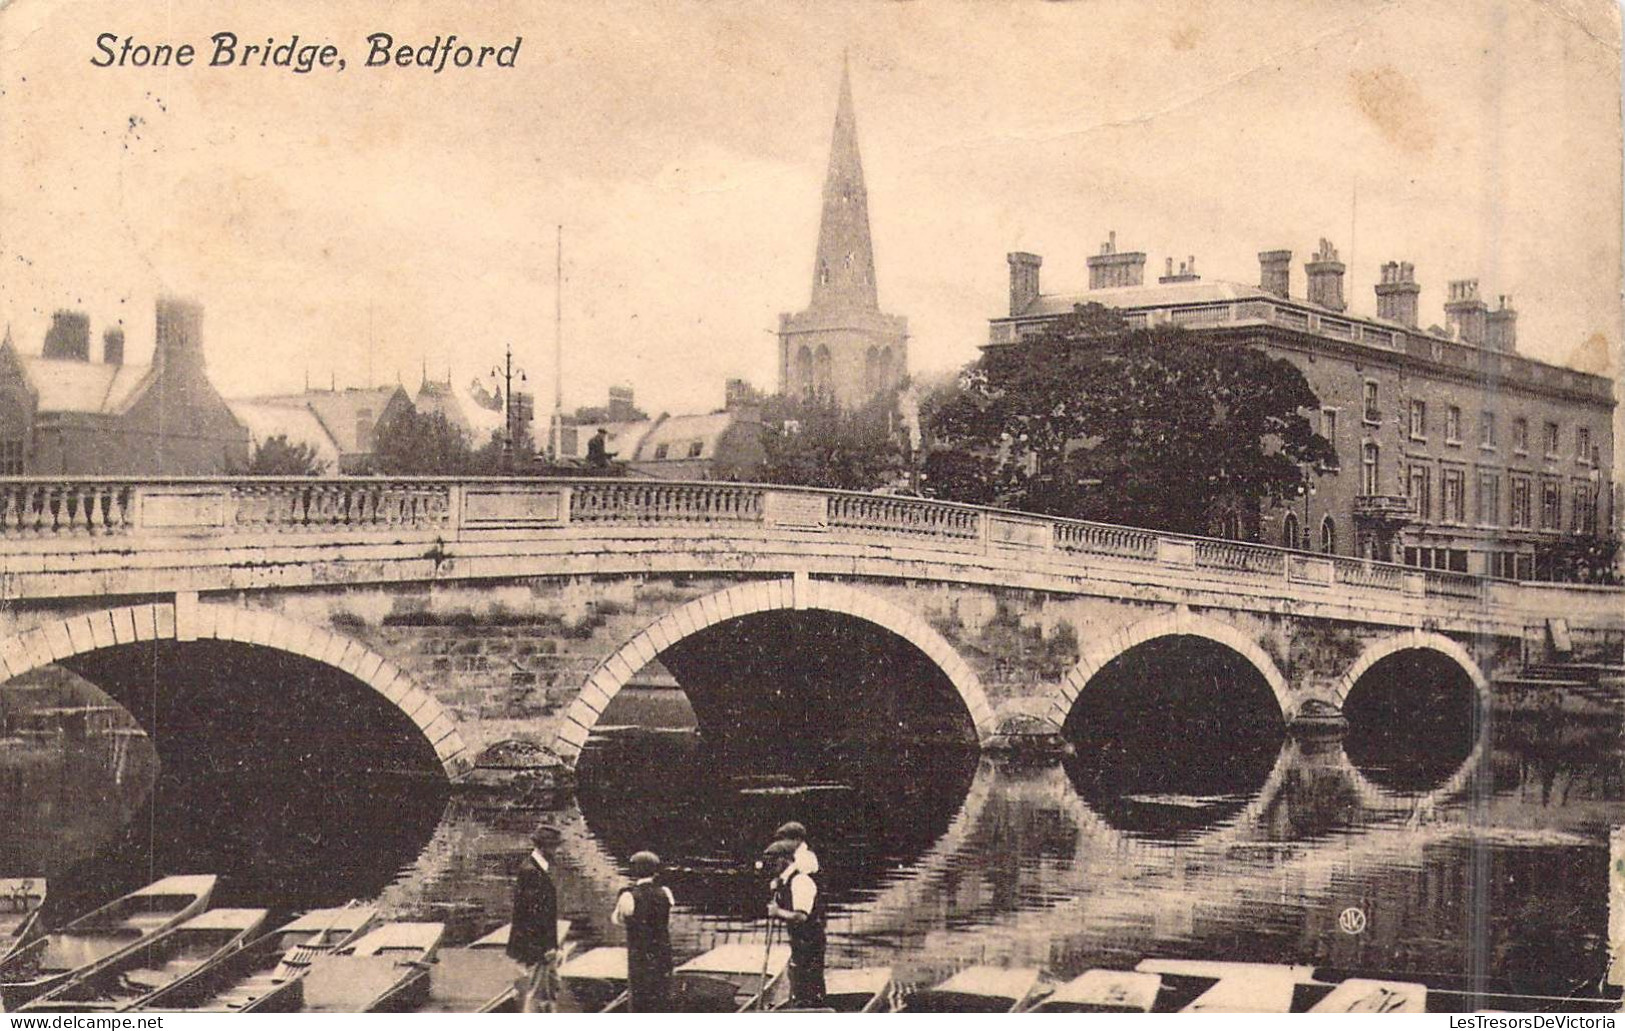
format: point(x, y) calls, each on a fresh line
point(843, 346)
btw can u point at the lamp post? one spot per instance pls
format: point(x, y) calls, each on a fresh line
point(506, 372)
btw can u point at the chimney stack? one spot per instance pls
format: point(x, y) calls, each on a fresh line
point(1464, 313)
point(1023, 279)
point(1186, 273)
point(113, 346)
point(1396, 294)
point(1111, 269)
point(1325, 277)
point(1275, 272)
point(69, 336)
point(180, 335)
point(1501, 327)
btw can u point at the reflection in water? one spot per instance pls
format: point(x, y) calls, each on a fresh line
point(1413, 719)
point(1173, 737)
point(669, 793)
point(935, 861)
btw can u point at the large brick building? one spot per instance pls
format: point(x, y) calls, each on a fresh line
point(62, 413)
point(843, 346)
point(1455, 451)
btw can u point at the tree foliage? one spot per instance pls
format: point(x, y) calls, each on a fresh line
point(411, 443)
point(1154, 428)
point(276, 456)
point(816, 443)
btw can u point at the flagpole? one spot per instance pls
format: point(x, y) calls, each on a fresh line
point(556, 431)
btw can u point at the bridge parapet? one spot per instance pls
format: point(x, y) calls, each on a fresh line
point(46, 517)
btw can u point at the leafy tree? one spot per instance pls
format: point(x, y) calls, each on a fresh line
point(276, 456)
point(1154, 428)
point(411, 443)
point(1585, 558)
point(816, 443)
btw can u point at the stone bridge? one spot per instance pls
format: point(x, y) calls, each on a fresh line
point(441, 616)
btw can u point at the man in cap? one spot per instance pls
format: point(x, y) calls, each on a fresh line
point(805, 860)
point(534, 937)
point(644, 909)
point(797, 901)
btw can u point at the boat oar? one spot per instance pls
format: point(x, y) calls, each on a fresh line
point(767, 961)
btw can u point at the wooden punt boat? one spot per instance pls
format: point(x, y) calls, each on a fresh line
point(20, 902)
point(385, 971)
point(979, 989)
point(117, 983)
point(1214, 986)
point(118, 927)
point(853, 990)
point(233, 981)
point(1363, 995)
point(728, 979)
point(481, 977)
point(1104, 991)
point(593, 982)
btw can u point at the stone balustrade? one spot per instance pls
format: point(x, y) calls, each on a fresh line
point(36, 512)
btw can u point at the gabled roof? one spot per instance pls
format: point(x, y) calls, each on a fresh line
point(678, 432)
point(299, 425)
point(460, 408)
point(70, 385)
point(339, 410)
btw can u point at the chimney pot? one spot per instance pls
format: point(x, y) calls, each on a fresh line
point(1466, 314)
point(1112, 268)
point(1397, 293)
point(179, 335)
point(113, 347)
point(1326, 277)
point(1024, 286)
point(1275, 272)
point(69, 336)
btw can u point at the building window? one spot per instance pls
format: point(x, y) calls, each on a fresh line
point(1582, 444)
point(1551, 505)
point(1454, 496)
point(1419, 420)
point(1489, 499)
point(1551, 440)
point(1452, 425)
point(1420, 490)
point(1328, 426)
point(1585, 509)
point(1289, 531)
point(11, 456)
point(1486, 431)
point(1368, 460)
point(696, 448)
point(1328, 536)
point(1520, 503)
point(1520, 435)
point(661, 450)
point(1372, 412)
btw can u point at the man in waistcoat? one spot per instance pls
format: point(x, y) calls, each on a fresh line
point(534, 937)
point(644, 909)
point(800, 905)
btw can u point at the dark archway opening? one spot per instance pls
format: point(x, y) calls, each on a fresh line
point(812, 716)
point(1413, 718)
point(294, 782)
point(1172, 736)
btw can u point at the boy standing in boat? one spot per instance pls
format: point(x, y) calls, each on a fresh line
point(534, 937)
point(644, 909)
point(797, 901)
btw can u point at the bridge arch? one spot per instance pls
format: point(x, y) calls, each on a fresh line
point(1182, 623)
point(606, 681)
point(82, 634)
point(1418, 640)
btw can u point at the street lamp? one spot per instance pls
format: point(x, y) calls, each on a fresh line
point(507, 371)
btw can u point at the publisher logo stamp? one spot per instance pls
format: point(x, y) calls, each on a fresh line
point(1351, 920)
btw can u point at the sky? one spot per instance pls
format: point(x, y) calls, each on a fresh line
point(356, 225)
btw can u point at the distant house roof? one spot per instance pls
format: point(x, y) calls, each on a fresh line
point(340, 411)
point(70, 385)
point(683, 437)
point(623, 441)
point(298, 425)
point(463, 408)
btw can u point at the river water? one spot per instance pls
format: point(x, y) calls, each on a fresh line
point(1491, 863)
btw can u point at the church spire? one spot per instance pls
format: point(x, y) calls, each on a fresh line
point(844, 269)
